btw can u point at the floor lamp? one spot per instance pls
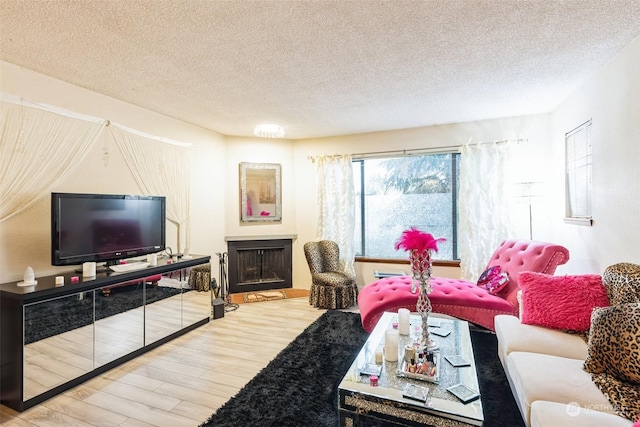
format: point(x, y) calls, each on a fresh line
point(529, 191)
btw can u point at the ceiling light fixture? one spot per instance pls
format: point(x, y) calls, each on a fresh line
point(269, 131)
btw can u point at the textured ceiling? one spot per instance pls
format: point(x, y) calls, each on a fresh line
point(321, 68)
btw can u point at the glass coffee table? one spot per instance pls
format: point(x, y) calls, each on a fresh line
point(363, 404)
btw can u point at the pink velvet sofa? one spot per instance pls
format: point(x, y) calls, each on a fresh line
point(460, 298)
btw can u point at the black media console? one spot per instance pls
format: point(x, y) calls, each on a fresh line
point(91, 336)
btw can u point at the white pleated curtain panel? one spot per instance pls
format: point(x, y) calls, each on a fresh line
point(485, 217)
point(336, 208)
point(160, 169)
point(32, 162)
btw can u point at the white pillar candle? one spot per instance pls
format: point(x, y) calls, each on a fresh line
point(89, 269)
point(404, 323)
point(391, 340)
point(59, 280)
point(152, 259)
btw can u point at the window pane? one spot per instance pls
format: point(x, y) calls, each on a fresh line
point(578, 170)
point(416, 191)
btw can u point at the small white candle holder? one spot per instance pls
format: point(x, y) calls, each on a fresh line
point(29, 278)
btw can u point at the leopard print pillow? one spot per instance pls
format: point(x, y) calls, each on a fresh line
point(622, 282)
point(624, 397)
point(614, 342)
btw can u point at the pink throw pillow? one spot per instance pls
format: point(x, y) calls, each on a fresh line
point(487, 275)
point(561, 302)
point(493, 280)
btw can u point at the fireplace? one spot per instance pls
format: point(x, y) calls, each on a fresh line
point(259, 263)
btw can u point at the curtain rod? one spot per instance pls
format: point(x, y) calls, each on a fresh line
point(502, 141)
point(23, 102)
point(441, 149)
point(408, 152)
point(333, 156)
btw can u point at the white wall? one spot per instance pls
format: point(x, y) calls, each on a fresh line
point(25, 239)
point(611, 100)
point(259, 150)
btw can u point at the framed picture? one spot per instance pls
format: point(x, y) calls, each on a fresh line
point(260, 192)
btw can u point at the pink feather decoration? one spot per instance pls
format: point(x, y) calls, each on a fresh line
point(414, 239)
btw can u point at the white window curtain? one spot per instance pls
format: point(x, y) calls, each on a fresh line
point(484, 208)
point(160, 169)
point(336, 209)
point(32, 161)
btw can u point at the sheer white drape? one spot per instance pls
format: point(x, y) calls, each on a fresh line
point(336, 209)
point(38, 150)
point(484, 208)
point(160, 169)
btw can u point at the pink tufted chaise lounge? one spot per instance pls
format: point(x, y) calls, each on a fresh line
point(460, 298)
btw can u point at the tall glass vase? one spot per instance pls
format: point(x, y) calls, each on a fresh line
point(421, 270)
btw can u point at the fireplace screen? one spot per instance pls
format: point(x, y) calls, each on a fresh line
point(261, 265)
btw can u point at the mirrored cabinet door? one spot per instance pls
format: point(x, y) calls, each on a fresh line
point(194, 306)
point(119, 324)
point(58, 342)
point(163, 306)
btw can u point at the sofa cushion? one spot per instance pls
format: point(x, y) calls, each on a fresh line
point(558, 379)
point(614, 342)
point(622, 282)
point(514, 336)
point(545, 414)
point(561, 302)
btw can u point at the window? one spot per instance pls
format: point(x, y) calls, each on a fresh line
point(393, 194)
point(578, 172)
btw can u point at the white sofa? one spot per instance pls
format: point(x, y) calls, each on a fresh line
point(544, 369)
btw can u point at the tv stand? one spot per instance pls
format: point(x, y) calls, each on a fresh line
point(150, 322)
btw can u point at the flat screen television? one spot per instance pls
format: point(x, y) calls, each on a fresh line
point(105, 227)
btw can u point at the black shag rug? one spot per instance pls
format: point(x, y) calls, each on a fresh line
point(299, 387)
point(44, 320)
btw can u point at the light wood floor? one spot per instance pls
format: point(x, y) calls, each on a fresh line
point(182, 382)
